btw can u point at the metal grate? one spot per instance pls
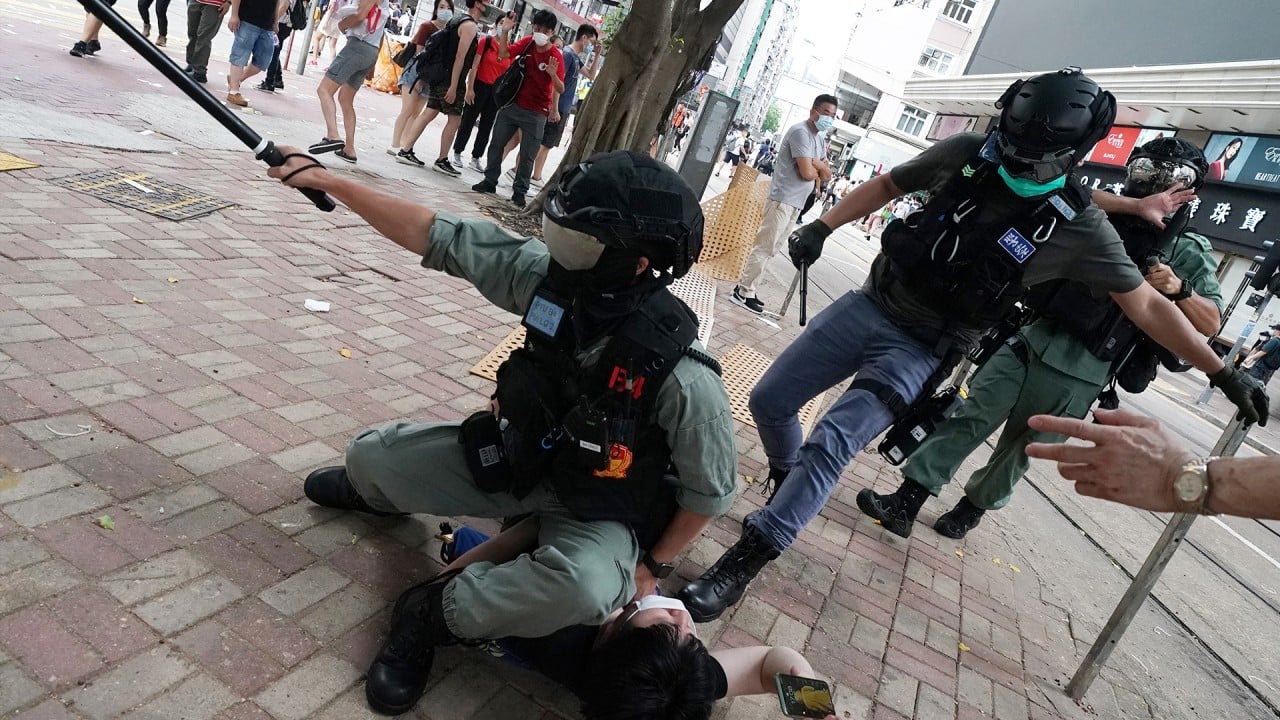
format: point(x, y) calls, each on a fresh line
point(742, 368)
point(13, 162)
point(487, 368)
point(140, 191)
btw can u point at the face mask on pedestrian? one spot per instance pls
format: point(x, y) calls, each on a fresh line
point(541, 39)
point(825, 122)
point(444, 15)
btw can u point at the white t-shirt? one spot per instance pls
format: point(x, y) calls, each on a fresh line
point(374, 25)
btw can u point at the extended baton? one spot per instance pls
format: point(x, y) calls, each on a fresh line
point(263, 150)
point(804, 293)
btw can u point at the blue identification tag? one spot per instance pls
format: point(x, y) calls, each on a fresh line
point(1062, 207)
point(1016, 245)
point(988, 151)
point(545, 314)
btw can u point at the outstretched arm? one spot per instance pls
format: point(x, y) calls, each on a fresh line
point(503, 547)
point(751, 670)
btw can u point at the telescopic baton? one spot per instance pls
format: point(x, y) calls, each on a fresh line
point(804, 293)
point(263, 150)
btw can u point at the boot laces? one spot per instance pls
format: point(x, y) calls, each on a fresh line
point(409, 643)
point(735, 567)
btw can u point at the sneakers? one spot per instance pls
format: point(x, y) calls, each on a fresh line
point(161, 41)
point(265, 86)
point(146, 30)
point(325, 145)
point(723, 585)
point(406, 157)
point(393, 151)
point(330, 487)
point(518, 201)
point(751, 304)
point(199, 76)
point(80, 49)
point(959, 520)
point(456, 160)
point(443, 165)
point(476, 165)
point(92, 47)
point(342, 154)
point(484, 186)
point(897, 511)
point(237, 99)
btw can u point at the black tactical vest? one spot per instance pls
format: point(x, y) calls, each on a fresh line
point(965, 252)
point(589, 432)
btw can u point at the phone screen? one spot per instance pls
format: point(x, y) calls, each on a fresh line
point(804, 697)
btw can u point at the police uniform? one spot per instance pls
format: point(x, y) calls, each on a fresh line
point(582, 569)
point(1042, 370)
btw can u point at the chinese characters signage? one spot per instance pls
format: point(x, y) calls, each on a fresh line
point(1235, 217)
point(1244, 159)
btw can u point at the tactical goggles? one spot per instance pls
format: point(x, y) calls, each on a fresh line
point(1148, 175)
point(1040, 165)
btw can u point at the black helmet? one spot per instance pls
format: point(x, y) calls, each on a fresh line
point(1159, 164)
point(629, 200)
point(1049, 121)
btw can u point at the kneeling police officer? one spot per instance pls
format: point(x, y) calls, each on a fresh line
point(1002, 216)
point(1060, 363)
point(611, 425)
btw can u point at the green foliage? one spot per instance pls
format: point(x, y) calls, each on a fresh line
point(613, 21)
point(772, 119)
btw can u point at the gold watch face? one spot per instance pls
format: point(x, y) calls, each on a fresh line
point(1189, 485)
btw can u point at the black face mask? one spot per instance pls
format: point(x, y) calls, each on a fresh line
point(603, 295)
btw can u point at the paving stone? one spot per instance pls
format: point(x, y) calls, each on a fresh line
point(130, 683)
point(153, 577)
point(306, 457)
point(17, 552)
point(898, 691)
point(869, 636)
point(200, 697)
point(56, 505)
point(308, 688)
point(37, 482)
point(189, 441)
point(188, 605)
point(302, 412)
point(304, 589)
point(341, 611)
point(270, 631)
point(16, 688)
point(47, 648)
point(1009, 704)
point(47, 710)
point(461, 693)
point(114, 632)
point(233, 659)
point(36, 582)
point(204, 521)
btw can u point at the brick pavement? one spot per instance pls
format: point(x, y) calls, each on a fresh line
point(190, 414)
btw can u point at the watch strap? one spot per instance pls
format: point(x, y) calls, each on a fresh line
point(657, 569)
point(1201, 466)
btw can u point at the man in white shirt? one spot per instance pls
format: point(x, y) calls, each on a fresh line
point(364, 22)
point(801, 162)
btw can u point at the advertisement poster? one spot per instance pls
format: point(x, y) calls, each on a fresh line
point(1244, 159)
point(1121, 141)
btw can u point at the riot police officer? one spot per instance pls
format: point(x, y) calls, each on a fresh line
point(611, 424)
point(1002, 216)
point(1060, 363)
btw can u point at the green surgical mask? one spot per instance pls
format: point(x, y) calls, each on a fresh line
point(1024, 187)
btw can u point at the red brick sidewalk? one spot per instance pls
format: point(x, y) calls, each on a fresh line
point(166, 375)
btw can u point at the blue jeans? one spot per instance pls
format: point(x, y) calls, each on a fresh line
point(853, 335)
point(252, 44)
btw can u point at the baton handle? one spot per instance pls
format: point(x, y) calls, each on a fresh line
point(263, 149)
point(804, 293)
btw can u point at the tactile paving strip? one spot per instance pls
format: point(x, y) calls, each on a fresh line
point(732, 220)
point(697, 290)
point(741, 369)
point(13, 162)
point(140, 191)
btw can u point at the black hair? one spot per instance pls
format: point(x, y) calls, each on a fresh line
point(823, 99)
point(586, 30)
point(544, 19)
point(649, 674)
point(472, 3)
point(435, 7)
point(1226, 161)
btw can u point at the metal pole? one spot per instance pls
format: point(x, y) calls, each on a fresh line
point(804, 294)
point(1245, 332)
point(1163, 551)
point(300, 68)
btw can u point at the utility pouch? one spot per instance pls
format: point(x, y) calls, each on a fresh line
point(920, 421)
point(482, 443)
point(587, 431)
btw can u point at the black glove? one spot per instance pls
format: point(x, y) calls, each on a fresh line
point(805, 244)
point(1245, 391)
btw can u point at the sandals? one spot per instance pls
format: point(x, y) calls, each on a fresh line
point(326, 145)
point(343, 154)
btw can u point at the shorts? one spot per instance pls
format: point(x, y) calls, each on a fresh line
point(435, 99)
point(353, 63)
point(734, 158)
point(253, 44)
point(552, 132)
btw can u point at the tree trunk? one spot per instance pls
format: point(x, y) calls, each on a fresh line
point(651, 59)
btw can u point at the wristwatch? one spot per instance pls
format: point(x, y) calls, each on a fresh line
point(1184, 291)
point(1193, 485)
point(659, 570)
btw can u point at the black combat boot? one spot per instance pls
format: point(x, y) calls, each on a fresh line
point(895, 512)
point(720, 587)
point(398, 675)
point(959, 520)
point(331, 487)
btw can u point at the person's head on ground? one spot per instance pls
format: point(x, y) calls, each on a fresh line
point(649, 663)
point(544, 24)
point(620, 220)
point(443, 12)
point(1047, 125)
point(822, 115)
point(586, 37)
point(1162, 163)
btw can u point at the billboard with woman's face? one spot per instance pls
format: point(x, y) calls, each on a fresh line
point(1244, 159)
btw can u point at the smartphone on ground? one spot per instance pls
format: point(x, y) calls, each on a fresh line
point(804, 697)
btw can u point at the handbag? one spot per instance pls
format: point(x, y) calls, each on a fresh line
point(406, 54)
point(511, 80)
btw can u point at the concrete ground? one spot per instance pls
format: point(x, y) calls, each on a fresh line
point(166, 375)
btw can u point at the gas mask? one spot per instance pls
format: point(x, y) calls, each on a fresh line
point(582, 266)
point(1149, 175)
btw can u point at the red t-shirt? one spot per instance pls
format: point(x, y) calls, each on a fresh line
point(535, 93)
point(425, 30)
point(491, 68)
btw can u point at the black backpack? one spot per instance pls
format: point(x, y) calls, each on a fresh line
point(298, 15)
point(511, 80)
point(435, 62)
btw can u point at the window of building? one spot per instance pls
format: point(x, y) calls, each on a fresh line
point(912, 120)
point(959, 10)
point(935, 60)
